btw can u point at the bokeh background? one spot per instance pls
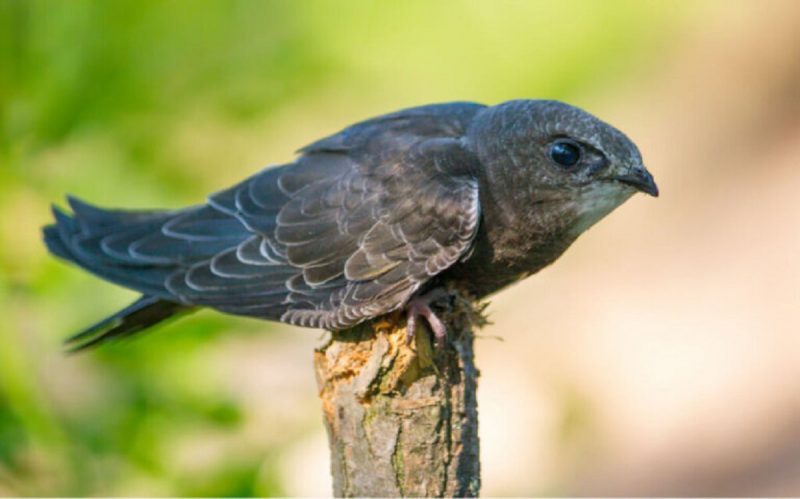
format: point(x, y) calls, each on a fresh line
point(659, 356)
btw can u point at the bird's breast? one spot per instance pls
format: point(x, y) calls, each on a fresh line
point(499, 259)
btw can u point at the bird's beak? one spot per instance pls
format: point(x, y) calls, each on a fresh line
point(639, 178)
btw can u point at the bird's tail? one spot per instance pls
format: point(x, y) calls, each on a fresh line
point(77, 239)
point(139, 315)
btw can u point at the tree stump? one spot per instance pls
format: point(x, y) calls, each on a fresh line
point(402, 418)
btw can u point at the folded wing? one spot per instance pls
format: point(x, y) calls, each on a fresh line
point(347, 232)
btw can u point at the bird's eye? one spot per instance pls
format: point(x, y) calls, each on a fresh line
point(565, 153)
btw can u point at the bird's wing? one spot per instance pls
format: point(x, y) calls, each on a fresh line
point(347, 232)
point(334, 241)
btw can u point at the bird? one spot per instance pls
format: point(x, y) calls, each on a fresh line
point(379, 217)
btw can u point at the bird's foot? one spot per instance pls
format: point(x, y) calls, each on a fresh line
point(420, 306)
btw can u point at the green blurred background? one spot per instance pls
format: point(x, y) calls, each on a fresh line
point(625, 368)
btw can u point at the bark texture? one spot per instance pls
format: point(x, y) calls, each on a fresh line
point(402, 419)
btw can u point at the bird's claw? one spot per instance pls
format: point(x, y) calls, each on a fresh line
point(420, 306)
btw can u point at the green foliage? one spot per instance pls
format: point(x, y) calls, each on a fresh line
point(144, 103)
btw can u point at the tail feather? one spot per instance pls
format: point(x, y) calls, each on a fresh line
point(141, 314)
point(69, 237)
point(77, 238)
point(55, 243)
point(94, 220)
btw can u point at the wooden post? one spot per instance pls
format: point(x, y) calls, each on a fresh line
point(402, 419)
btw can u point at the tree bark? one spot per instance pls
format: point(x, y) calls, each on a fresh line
point(402, 418)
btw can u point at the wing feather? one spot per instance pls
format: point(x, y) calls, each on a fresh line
point(348, 231)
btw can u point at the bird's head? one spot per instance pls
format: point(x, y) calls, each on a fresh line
point(559, 160)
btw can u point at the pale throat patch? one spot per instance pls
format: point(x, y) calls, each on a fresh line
point(597, 201)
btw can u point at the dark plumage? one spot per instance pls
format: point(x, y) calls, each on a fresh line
point(366, 219)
